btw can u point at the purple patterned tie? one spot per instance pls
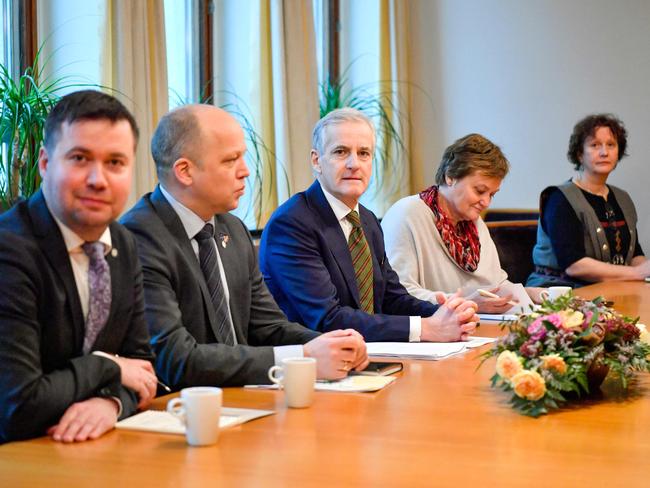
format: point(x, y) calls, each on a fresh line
point(99, 284)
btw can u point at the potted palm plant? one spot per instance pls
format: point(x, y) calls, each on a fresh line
point(24, 105)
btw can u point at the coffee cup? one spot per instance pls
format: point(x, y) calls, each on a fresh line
point(297, 378)
point(554, 292)
point(199, 408)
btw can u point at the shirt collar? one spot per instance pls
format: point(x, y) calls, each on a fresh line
point(192, 223)
point(72, 241)
point(340, 209)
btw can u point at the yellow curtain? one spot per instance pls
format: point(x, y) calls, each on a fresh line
point(280, 90)
point(393, 70)
point(135, 66)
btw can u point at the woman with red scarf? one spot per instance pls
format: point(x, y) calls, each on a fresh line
point(436, 241)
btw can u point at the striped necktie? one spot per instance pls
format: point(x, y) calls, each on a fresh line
point(99, 291)
point(210, 268)
point(362, 262)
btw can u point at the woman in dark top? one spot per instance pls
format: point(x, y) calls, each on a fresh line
point(587, 228)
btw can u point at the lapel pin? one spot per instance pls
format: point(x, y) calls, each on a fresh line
point(224, 238)
point(114, 252)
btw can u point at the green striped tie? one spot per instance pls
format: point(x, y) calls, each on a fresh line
point(362, 262)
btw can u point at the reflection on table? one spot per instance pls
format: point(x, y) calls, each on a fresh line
point(440, 424)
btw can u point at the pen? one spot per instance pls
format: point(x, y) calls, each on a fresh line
point(146, 358)
point(489, 294)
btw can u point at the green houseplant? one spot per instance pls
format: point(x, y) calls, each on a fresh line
point(24, 105)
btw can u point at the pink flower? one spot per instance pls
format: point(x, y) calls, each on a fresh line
point(529, 348)
point(555, 319)
point(537, 330)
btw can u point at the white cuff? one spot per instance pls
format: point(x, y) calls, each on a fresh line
point(283, 352)
point(415, 329)
point(104, 354)
point(119, 406)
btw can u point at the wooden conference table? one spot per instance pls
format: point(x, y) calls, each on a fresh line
point(440, 424)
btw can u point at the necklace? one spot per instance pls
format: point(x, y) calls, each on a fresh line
point(601, 192)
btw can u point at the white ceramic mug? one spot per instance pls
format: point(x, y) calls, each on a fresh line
point(199, 408)
point(297, 379)
point(554, 292)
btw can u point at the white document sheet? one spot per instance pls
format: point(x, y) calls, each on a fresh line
point(425, 350)
point(166, 423)
point(519, 295)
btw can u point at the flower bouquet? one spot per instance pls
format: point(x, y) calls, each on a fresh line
point(566, 346)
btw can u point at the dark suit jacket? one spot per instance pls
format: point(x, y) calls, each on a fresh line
point(179, 312)
point(42, 367)
point(307, 266)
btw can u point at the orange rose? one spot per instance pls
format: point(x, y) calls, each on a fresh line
point(508, 365)
point(554, 362)
point(529, 385)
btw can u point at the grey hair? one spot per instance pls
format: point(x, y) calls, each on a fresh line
point(338, 116)
point(178, 135)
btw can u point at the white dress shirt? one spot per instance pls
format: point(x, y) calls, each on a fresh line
point(341, 210)
point(192, 224)
point(80, 260)
point(80, 263)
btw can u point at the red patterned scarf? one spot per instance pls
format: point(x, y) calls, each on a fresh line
point(461, 239)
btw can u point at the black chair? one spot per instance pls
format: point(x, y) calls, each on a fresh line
point(515, 240)
point(516, 214)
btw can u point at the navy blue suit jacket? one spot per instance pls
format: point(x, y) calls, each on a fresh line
point(42, 367)
point(307, 266)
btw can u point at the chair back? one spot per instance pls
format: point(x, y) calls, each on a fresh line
point(514, 240)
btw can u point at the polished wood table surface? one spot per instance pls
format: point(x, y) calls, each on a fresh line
point(440, 424)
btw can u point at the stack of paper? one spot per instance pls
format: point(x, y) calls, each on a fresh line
point(425, 350)
point(496, 317)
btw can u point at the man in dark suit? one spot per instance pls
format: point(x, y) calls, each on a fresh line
point(71, 284)
point(211, 318)
point(322, 254)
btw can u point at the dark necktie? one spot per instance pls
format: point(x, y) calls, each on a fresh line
point(210, 268)
point(362, 262)
point(99, 288)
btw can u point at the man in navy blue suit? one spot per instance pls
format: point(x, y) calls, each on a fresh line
point(322, 254)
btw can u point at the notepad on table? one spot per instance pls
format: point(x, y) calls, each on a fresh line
point(165, 423)
point(351, 384)
point(360, 384)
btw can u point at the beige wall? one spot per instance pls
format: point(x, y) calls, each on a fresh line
point(522, 73)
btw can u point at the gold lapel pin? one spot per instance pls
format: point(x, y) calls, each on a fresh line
point(224, 238)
